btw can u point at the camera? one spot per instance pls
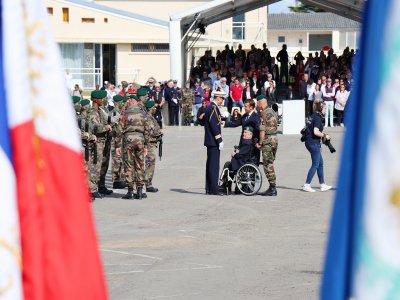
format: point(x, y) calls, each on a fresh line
point(328, 144)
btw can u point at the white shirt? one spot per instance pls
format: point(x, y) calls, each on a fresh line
point(266, 84)
point(310, 91)
point(341, 97)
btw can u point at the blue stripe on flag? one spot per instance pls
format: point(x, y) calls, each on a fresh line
point(5, 143)
point(340, 260)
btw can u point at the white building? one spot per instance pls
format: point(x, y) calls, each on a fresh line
point(309, 32)
point(106, 40)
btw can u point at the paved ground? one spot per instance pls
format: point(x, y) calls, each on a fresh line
point(181, 244)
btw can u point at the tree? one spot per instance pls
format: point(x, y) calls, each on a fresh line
point(300, 7)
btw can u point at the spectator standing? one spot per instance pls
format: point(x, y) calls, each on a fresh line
point(328, 94)
point(310, 96)
point(283, 58)
point(77, 92)
point(198, 96)
point(236, 93)
point(341, 99)
point(248, 93)
point(317, 96)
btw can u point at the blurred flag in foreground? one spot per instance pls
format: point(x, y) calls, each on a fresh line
point(48, 246)
point(363, 252)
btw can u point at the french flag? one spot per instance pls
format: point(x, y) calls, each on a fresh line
point(48, 245)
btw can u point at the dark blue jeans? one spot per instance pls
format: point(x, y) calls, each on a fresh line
point(317, 162)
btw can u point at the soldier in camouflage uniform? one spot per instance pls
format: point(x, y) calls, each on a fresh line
point(134, 130)
point(187, 104)
point(268, 142)
point(155, 136)
point(100, 129)
point(87, 135)
point(107, 148)
point(116, 164)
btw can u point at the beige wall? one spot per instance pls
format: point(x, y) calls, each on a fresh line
point(292, 41)
point(155, 9)
point(116, 30)
point(146, 64)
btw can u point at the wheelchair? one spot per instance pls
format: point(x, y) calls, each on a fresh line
point(247, 179)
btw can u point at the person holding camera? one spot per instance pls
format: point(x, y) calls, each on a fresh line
point(313, 136)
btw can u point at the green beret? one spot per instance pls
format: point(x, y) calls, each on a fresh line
point(118, 98)
point(249, 128)
point(85, 102)
point(261, 97)
point(149, 103)
point(141, 92)
point(98, 94)
point(76, 99)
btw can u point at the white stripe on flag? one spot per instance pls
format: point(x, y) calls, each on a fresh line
point(34, 78)
point(10, 252)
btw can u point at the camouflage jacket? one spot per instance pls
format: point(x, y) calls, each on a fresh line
point(98, 122)
point(135, 120)
point(269, 121)
point(154, 130)
point(187, 97)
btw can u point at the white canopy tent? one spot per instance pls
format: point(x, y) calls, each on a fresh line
point(197, 18)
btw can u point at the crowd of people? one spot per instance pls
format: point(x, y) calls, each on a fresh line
point(130, 117)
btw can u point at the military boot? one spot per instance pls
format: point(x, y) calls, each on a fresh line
point(129, 194)
point(105, 191)
point(119, 185)
point(271, 191)
point(96, 195)
point(139, 194)
point(151, 189)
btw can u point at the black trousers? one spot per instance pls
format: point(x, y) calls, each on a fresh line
point(309, 108)
point(212, 170)
point(339, 115)
point(173, 114)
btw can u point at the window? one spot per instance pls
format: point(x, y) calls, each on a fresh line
point(281, 39)
point(65, 12)
point(142, 47)
point(87, 20)
point(105, 20)
point(317, 41)
point(238, 27)
point(50, 11)
point(300, 41)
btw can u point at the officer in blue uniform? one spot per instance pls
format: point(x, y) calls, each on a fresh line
point(213, 142)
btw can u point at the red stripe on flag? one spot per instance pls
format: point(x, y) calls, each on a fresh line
point(59, 248)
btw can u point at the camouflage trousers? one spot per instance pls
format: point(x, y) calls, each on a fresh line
point(105, 163)
point(116, 165)
point(150, 163)
point(269, 148)
point(186, 114)
point(134, 160)
point(94, 169)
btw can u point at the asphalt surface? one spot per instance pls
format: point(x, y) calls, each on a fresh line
point(181, 244)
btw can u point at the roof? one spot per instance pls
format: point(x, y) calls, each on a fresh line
point(310, 21)
point(117, 12)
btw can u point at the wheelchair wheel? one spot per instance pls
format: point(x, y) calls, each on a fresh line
point(248, 179)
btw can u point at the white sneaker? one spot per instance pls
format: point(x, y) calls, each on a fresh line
point(308, 188)
point(325, 187)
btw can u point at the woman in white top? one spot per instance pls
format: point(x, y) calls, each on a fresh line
point(341, 99)
point(317, 96)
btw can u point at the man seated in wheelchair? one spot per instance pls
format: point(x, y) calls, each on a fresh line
point(242, 155)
